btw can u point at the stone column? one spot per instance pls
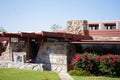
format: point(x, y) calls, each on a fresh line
point(101, 26)
point(7, 55)
point(77, 27)
point(88, 27)
point(117, 25)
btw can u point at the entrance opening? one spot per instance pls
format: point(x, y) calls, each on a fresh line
point(34, 47)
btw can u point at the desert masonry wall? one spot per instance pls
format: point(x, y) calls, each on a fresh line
point(53, 56)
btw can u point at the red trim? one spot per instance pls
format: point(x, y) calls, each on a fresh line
point(72, 37)
point(4, 39)
point(4, 34)
point(107, 33)
point(104, 22)
point(31, 35)
point(96, 42)
point(22, 34)
point(78, 37)
point(57, 34)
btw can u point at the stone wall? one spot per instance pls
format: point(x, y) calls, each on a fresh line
point(19, 50)
point(6, 54)
point(19, 46)
point(53, 55)
point(10, 64)
point(77, 27)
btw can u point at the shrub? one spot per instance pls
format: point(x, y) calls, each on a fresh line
point(108, 65)
point(86, 62)
point(79, 72)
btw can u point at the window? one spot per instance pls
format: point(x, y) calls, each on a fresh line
point(93, 27)
point(110, 26)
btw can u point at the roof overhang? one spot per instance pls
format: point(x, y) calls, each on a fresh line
point(72, 37)
point(21, 34)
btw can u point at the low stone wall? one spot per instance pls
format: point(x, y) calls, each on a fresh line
point(10, 64)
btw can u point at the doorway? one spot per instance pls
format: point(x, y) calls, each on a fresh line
point(34, 48)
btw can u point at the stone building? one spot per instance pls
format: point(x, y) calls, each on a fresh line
point(55, 49)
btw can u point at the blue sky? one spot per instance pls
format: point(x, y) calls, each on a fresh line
point(39, 15)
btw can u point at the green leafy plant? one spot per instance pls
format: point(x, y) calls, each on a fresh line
point(79, 72)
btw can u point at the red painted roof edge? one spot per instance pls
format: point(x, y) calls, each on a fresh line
point(73, 37)
point(105, 22)
point(95, 42)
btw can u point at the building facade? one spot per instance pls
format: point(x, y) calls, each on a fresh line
point(55, 49)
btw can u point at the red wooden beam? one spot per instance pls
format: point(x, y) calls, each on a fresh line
point(30, 35)
point(56, 34)
point(4, 34)
point(4, 39)
point(22, 34)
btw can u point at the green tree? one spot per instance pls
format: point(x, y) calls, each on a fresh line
point(55, 27)
point(2, 29)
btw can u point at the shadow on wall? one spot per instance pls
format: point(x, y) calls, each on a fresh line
point(53, 56)
point(43, 57)
point(46, 60)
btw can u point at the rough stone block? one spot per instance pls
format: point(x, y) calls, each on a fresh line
point(77, 27)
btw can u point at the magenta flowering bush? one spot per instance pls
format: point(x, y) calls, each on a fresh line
point(85, 61)
point(108, 65)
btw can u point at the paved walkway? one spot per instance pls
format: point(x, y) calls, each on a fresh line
point(65, 76)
